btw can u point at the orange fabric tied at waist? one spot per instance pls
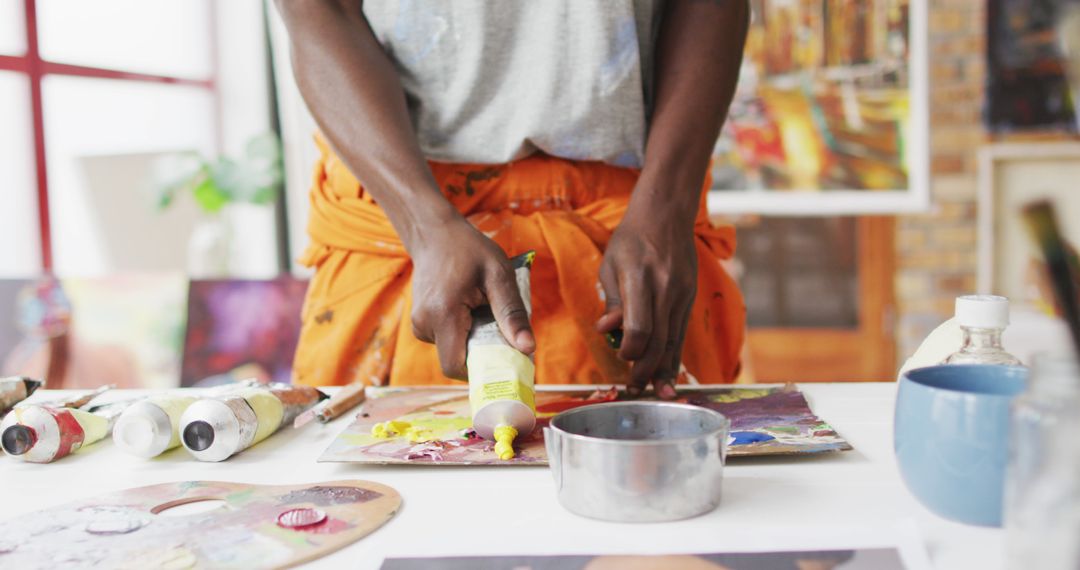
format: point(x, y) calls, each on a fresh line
point(356, 316)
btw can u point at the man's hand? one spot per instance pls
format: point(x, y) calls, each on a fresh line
point(649, 272)
point(649, 276)
point(458, 270)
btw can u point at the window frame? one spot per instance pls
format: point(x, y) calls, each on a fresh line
point(32, 66)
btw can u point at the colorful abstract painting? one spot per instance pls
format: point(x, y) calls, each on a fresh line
point(764, 421)
point(241, 325)
point(825, 102)
point(1027, 81)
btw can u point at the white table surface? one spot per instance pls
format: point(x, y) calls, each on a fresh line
point(492, 510)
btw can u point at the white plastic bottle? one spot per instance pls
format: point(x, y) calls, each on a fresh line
point(982, 320)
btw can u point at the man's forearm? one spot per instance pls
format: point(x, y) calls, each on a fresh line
point(699, 53)
point(354, 93)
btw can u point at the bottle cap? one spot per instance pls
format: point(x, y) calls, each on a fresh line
point(144, 430)
point(982, 311)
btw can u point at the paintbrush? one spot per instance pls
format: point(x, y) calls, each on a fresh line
point(346, 399)
point(1042, 222)
point(79, 399)
point(14, 390)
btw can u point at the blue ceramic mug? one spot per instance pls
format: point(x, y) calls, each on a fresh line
point(952, 437)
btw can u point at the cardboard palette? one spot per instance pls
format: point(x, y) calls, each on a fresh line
point(255, 527)
point(764, 421)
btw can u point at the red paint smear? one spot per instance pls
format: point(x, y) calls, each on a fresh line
point(328, 526)
point(71, 433)
point(596, 397)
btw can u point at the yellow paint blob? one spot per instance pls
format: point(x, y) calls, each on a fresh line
point(392, 428)
point(740, 394)
point(419, 434)
point(504, 442)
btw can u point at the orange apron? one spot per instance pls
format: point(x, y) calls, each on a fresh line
point(356, 324)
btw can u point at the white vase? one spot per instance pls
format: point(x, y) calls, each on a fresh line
point(236, 242)
point(252, 243)
point(209, 247)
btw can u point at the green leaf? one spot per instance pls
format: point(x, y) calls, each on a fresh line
point(209, 196)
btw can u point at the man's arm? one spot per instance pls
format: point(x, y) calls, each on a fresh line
point(650, 268)
point(354, 93)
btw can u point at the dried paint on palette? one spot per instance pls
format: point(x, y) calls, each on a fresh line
point(253, 526)
point(432, 425)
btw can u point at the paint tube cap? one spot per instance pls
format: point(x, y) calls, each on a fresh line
point(982, 311)
point(211, 431)
point(504, 413)
point(144, 430)
point(18, 439)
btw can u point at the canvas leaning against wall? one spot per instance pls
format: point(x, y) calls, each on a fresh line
point(241, 329)
point(124, 330)
point(830, 116)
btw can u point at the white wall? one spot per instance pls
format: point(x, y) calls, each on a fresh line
point(244, 84)
point(298, 127)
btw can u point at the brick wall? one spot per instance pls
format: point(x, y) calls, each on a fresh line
point(936, 251)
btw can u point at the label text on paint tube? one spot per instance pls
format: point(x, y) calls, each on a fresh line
point(499, 372)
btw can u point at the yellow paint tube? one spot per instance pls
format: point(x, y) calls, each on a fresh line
point(151, 426)
point(214, 429)
point(501, 391)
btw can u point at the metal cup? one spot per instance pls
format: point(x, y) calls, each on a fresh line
point(638, 461)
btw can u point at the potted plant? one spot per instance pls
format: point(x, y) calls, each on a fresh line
point(223, 188)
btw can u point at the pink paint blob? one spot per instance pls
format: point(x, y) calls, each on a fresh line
point(300, 519)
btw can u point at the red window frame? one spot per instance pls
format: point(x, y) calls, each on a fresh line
point(35, 68)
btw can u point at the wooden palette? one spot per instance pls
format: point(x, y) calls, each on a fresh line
point(256, 527)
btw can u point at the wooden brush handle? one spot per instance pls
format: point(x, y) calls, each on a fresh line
point(346, 399)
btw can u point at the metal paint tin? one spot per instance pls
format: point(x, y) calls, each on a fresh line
point(638, 461)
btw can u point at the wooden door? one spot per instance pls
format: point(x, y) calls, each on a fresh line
point(820, 298)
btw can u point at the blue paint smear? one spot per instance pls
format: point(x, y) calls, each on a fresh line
point(745, 437)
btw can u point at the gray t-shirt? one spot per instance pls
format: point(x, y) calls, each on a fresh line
point(490, 81)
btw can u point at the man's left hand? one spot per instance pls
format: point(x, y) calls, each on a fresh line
point(649, 277)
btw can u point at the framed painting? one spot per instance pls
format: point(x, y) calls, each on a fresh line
point(830, 116)
point(1027, 65)
point(1011, 175)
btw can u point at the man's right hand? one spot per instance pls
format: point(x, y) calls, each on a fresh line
point(457, 269)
